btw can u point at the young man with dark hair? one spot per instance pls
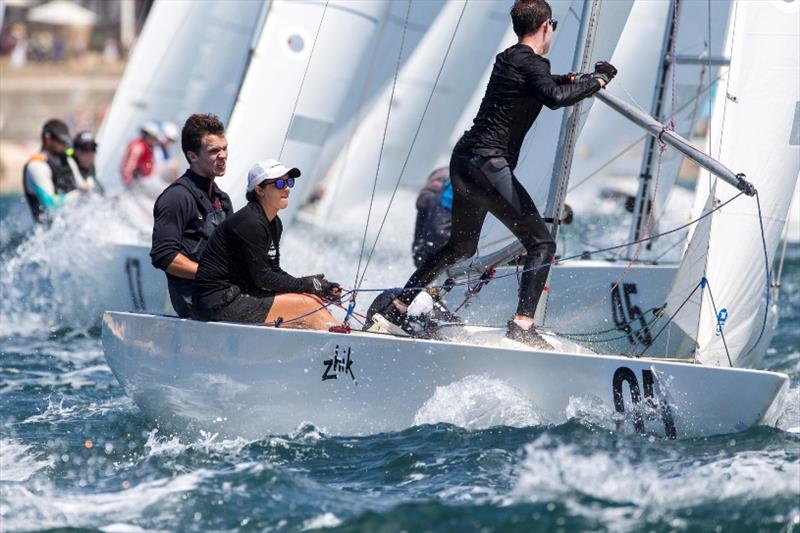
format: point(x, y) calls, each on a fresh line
point(483, 162)
point(189, 210)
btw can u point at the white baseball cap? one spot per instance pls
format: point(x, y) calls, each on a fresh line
point(269, 169)
point(170, 131)
point(151, 128)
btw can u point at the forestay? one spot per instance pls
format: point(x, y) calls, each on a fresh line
point(189, 58)
point(299, 74)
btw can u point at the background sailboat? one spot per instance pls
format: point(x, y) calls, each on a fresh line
point(301, 71)
point(174, 71)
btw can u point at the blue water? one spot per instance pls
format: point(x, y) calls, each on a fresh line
point(75, 452)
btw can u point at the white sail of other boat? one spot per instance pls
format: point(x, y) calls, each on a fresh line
point(295, 84)
point(170, 74)
point(476, 28)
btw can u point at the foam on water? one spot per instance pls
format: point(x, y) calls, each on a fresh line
point(633, 488)
point(478, 402)
point(789, 419)
point(52, 278)
point(18, 462)
point(322, 521)
point(49, 507)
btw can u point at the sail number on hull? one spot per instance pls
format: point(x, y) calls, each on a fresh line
point(625, 313)
point(643, 406)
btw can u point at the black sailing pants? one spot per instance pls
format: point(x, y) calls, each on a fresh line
point(483, 185)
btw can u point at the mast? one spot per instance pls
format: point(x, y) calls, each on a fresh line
point(569, 125)
point(643, 204)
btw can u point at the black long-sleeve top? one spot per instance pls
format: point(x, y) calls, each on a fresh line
point(244, 252)
point(519, 86)
point(181, 216)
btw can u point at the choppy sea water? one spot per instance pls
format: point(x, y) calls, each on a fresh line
point(76, 453)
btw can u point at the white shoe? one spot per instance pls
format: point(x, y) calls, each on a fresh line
point(386, 327)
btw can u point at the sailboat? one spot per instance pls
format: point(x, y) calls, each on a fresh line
point(579, 303)
point(251, 380)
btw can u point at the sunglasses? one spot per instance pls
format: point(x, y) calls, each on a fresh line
point(280, 183)
point(553, 23)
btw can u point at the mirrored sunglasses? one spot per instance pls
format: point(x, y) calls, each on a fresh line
point(280, 183)
point(553, 23)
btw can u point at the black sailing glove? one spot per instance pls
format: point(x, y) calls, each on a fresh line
point(605, 71)
point(324, 288)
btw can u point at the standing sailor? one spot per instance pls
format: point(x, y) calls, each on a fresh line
point(51, 177)
point(483, 161)
point(188, 211)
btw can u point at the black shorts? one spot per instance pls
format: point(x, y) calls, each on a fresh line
point(243, 308)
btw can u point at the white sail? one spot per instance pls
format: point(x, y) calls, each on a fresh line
point(405, 24)
point(189, 58)
point(477, 35)
point(283, 73)
point(754, 131)
point(683, 303)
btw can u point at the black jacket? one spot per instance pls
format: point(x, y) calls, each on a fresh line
point(185, 218)
point(519, 86)
point(244, 256)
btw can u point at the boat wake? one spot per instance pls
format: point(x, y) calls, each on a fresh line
point(54, 278)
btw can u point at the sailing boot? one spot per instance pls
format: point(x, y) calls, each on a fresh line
point(528, 336)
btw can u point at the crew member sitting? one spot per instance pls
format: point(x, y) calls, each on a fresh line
point(240, 278)
point(51, 177)
point(189, 210)
point(84, 148)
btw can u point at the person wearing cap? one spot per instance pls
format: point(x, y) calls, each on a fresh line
point(51, 176)
point(84, 148)
point(164, 160)
point(188, 211)
point(240, 278)
point(138, 160)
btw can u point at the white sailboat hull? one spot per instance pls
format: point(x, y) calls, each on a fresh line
point(126, 281)
point(251, 381)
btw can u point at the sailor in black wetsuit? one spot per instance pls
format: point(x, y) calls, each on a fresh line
point(483, 161)
point(188, 211)
point(240, 278)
